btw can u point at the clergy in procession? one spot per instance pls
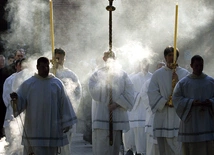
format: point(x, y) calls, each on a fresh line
point(135, 138)
point(48, 111)
point(68, 77)
point(122, 97)
point(193, 100)
point(72, 86)
point(5, 72)
point(166, 122)
point(7, 89)
point(151, 142)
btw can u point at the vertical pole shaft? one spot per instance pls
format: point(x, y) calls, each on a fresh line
point(110, 8)
point(110, 118)
point(174, 53)
point(175, 34)
point(52, 35)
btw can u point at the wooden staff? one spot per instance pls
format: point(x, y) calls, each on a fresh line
point(175, 34)
point(110, 8)
point(53, 61)
point(175, 53)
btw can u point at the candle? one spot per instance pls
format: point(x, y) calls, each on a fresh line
point(175, 34)
point(52, 28)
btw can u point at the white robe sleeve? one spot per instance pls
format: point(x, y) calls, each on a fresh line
point(181, 104)
point(144, 96)
point(98, 88)
point(126, 99)
point(156, 100)
point(68, 115)
point(6, 92)
point(78, 90)
point(137, 100)
point(76, 82)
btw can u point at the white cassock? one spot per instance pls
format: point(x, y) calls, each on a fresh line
point(13, 127)
point(48, 112)
point(151, 143)
point(197, 122)
point(10, 134)
point(166, 122)
point(123, 95)
point(7, 89)
point(72, 85)
point(74, 91)
point(135, 138)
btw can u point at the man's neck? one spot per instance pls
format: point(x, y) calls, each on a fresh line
point(171, 65)
point(197, 74)
point(60, 66)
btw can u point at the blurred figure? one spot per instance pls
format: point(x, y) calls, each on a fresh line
point(122, 95)
point(2, 106)
point(135, 138)
point(5, 73)
point(49, 113)
point(84, 114)
point(151, 143)
point(72, 86)
point(10, 59)
point(193, 100)
point(13, 126)
point(166, 122)
point(68, 77)
point(19, 54)
point(2, 61)
point(10, 69)
point(7, 89)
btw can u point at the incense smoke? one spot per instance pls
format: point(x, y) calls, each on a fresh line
point(81, 28)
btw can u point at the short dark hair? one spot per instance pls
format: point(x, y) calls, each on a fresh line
point(196, 58)
point(59, 51)
point(170, 49)
point(42, 59)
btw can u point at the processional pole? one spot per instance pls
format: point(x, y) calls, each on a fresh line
point(110, 8)
point(53, 61)
point(175, 34)
point(174, 53)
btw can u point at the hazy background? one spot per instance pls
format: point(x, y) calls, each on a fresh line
point(141, 28)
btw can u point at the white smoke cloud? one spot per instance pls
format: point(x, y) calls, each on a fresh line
point(81, 27)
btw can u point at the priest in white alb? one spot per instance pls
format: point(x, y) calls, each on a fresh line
point(135, 138)
point(193, 100)
point(8, 87)
point(122, 100)
point(72, 86)
point(151, 142)
point(48, 111)
point(166, 122)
